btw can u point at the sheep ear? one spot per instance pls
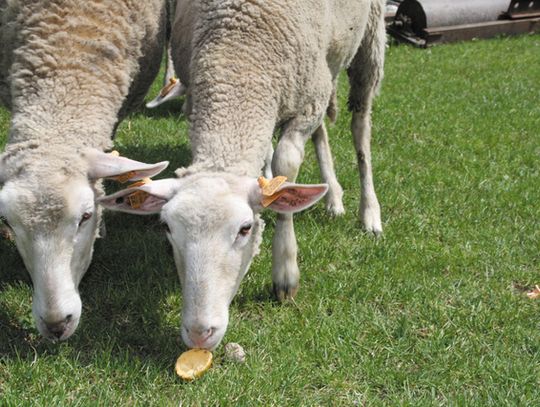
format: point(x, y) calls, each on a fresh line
point(173, 89)
point(102, 165)
point(292, 198)
point(144, 199)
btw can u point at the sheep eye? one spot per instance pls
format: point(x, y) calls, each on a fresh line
point(85, 217)
point(244, 230)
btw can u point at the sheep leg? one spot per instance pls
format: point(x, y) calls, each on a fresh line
point(287, 159)
point(334, 196)
point(365, 74)
point(267, 170)
point(370, 211)
point(169, 72)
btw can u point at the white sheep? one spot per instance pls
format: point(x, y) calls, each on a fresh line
point(66, 70)
point(251, 66)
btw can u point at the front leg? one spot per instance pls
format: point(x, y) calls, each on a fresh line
point(285, 272)
point(287, 159)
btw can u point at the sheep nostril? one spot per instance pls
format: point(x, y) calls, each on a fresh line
point(119, 200)
point(208, 333)
point(57, 329)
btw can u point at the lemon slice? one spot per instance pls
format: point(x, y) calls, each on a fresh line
point(193, 363)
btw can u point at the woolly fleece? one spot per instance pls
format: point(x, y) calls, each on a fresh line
point(252, 66)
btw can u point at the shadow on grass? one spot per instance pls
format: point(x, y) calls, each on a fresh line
point(122, 293)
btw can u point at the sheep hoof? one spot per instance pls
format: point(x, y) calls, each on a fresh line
point(371, 219)
point(335, 208)
point(284, 292)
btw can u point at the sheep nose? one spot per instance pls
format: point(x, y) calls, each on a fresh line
point(58, 328)
point(200, 336)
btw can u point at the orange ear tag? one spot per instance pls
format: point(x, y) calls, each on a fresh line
point(168, 87)
point(137, 198)
point(125, 177)
point(122, 178)
point(269, 188)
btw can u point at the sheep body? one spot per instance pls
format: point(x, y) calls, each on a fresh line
point(256, 65)
point(251, 67)
point(69, 72)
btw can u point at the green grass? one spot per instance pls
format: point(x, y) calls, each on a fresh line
point(433, 313)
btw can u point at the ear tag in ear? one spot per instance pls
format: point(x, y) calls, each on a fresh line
point(137, 198)
point(122, 178)
point(168, 87)
point(269, 188)
point(125, 177)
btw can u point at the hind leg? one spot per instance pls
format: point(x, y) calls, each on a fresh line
point(334, 196)
point(267, 169)
point(365, 74)
point(370, 211)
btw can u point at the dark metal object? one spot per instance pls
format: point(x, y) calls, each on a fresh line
point(524, 9)
point(490, 29)
point(427, 22)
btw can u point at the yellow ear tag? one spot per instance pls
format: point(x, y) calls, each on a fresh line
point(125, 177)
point(137, 198)
point(269, 188)
point(122, 178)
point(168, 87)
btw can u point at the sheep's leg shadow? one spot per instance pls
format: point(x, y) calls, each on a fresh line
point(287, 159)
point(334, 196)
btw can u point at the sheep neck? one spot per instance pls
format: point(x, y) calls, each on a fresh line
point(231, 128)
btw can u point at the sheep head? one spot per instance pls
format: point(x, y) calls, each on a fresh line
point(212, 222)
point(50, 207)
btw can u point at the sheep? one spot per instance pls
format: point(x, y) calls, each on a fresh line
point(251, 66)
point(69, 71)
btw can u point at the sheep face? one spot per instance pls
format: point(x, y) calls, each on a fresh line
point(212, 223)
point(54, 230)
point(214, 241)
point(52, 212)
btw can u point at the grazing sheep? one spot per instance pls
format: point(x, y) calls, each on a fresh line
point(251, 66)
point(69, 71)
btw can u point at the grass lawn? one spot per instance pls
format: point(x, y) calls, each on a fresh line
point(432, 313)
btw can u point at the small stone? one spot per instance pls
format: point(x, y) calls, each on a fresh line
point(235, 352)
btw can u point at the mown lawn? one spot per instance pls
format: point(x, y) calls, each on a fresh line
point(432, 313)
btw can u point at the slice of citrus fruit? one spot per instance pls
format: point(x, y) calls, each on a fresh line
point(193, 363)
